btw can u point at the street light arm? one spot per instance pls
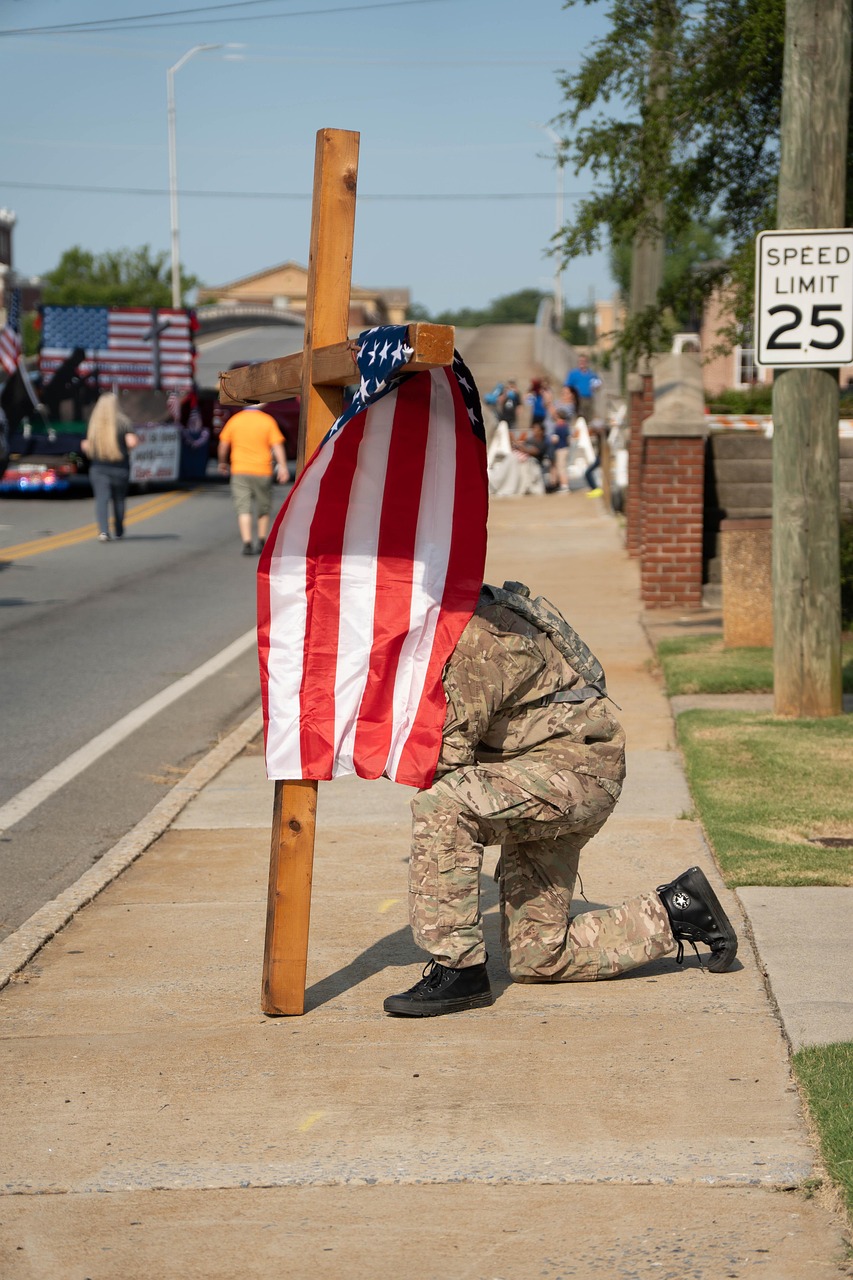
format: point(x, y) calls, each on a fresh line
point(197, 48)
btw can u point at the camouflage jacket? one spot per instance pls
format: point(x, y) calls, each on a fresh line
point(498, 671)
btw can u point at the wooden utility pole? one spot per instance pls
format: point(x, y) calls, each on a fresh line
point(319, 374)
point(647, 252)
point(648, 247)
point(806, 574)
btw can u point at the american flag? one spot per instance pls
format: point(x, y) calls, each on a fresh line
point(10, 335)
point(372, 571)
point(119, 344)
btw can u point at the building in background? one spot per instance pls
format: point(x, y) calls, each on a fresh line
point(285, 289)
point(733, 370)
point(609, 321)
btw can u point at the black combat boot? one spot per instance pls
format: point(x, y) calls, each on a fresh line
point(443, 990)
point(695, 915)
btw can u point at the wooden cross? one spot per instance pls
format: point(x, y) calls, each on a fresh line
point(319, 374)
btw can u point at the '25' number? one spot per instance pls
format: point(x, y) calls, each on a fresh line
point(818, 321)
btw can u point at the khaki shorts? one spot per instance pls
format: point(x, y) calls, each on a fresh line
point(249, 491)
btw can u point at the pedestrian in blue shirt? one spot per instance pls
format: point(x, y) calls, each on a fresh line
point(585, 382)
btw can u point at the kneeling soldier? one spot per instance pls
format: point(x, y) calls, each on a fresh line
point(531, 759)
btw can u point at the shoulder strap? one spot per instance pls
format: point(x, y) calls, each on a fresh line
point(547, 617)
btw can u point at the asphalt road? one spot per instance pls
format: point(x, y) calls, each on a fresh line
point(88, 633)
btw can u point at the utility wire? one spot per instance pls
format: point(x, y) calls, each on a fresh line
point(286, 195)
point(100, 23)
point(138, 22)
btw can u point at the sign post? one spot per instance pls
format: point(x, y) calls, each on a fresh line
point(808, 278)
point(319, 374)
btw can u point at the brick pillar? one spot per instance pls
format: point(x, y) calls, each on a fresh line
point(673, 486)
point(673, 492)
point(640, 406)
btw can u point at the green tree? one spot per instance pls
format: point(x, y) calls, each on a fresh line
point(30, 335)
point(708, 148)
point(696, 248)
point(516, 308)
point(575, 326)
point(511, 308)
point(121, 277)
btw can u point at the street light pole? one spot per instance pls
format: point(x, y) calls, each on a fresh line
point(173, 167)
point(558, 274)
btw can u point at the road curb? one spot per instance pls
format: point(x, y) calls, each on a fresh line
point(20, 947)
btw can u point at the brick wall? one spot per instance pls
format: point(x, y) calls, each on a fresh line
point(673, 471)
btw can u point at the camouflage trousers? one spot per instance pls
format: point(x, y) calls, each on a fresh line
point(541, 820)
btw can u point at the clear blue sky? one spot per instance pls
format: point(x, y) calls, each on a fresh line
point(449, 97)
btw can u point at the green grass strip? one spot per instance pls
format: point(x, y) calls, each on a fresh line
point(826, 1074)
point(700, 664)
point(764, 786)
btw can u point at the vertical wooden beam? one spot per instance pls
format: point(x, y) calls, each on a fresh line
point(806, 574)
point(326, 322)
point(329, 278)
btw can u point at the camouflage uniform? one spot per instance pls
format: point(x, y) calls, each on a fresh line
point(540, 780)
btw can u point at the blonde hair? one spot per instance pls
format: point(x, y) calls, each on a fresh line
point(102, 432)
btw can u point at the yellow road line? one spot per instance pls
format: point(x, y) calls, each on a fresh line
point(154, 506)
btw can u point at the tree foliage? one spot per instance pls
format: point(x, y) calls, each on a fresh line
point(121, 277)
point(695, 244)
point(578, 330)
point(511, 308)
point(679, 106)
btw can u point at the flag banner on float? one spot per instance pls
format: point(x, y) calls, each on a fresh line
point(121, 344)
point(371, 572)
point(10, 334)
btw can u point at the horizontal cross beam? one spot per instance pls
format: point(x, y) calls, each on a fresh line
point(332, 366)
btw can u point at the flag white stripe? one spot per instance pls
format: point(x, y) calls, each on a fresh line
point(136, 342)
point(129, 342)
point(358, 581)
point(288, 600)
point(143, 322)
point(432, 553)
point(137, 354)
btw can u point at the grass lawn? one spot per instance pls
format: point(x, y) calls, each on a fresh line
point(764, 786)
point(826, 1074)
point(700, 664)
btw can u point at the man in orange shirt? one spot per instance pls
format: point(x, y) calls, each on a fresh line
point(247, 445)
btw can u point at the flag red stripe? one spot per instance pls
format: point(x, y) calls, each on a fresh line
point(265, 617)
point(283, 598)
point(323, 585)
point(395, 556)
point(463, 581)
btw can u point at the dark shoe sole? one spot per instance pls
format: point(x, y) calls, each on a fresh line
point(434, 1008)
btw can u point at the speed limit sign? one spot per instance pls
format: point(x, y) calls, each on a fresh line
point(804, 298)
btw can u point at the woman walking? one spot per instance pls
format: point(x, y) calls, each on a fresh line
point(107, 445)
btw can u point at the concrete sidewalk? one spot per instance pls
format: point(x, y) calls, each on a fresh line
point(156, 1124)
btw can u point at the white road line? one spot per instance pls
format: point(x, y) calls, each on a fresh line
point(49, 783)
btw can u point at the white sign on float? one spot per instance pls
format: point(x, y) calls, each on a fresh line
point(804, 298)
point(157, 456)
